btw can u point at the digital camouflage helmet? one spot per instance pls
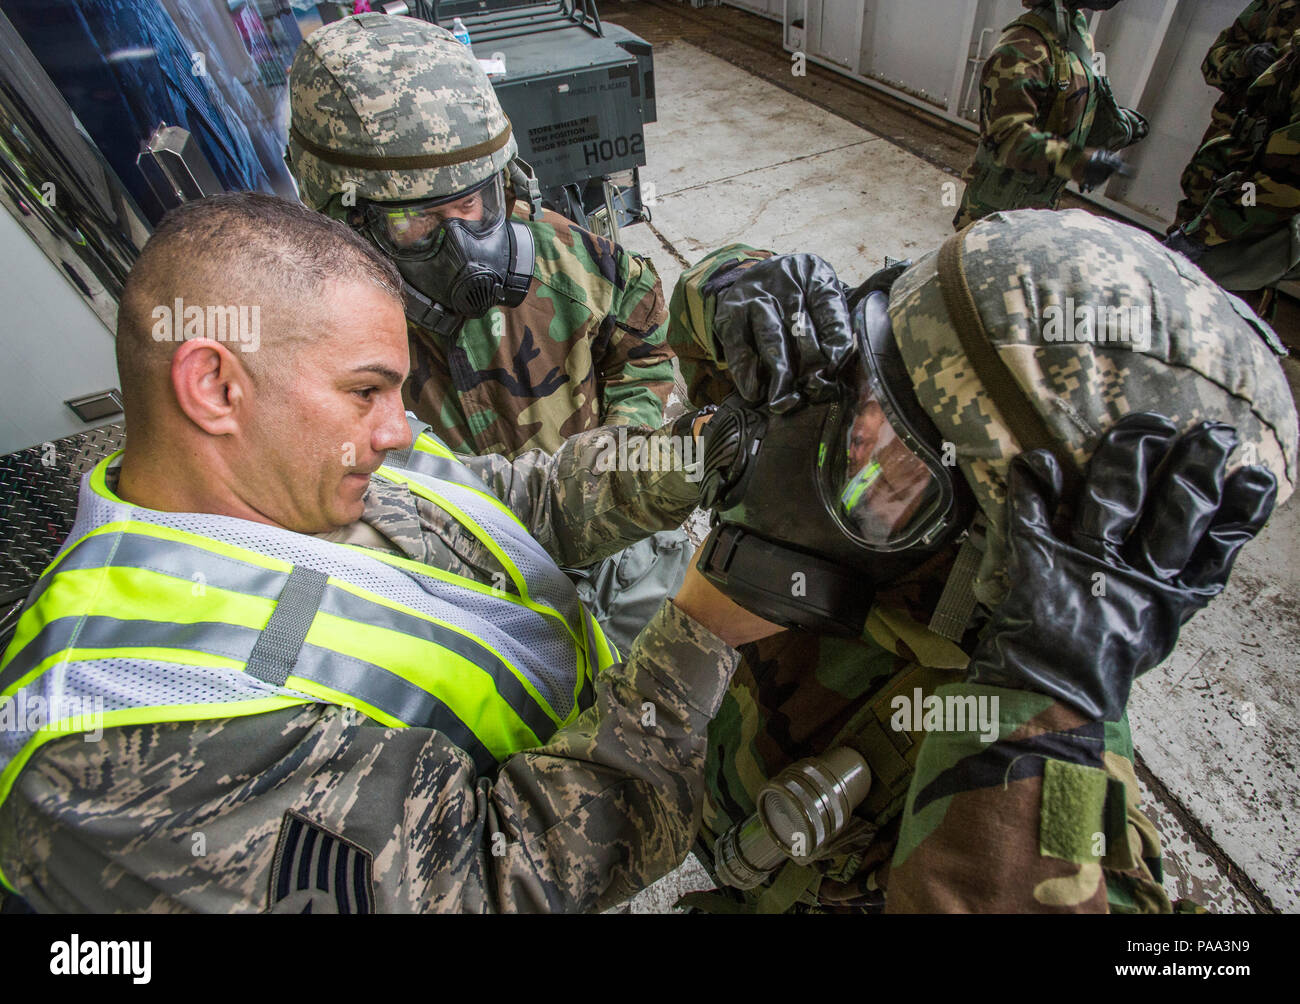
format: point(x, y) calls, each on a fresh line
point(1029, 329)
point(394, 108)
point(1093, 320)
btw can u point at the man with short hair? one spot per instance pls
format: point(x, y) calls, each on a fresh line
point(314, 670)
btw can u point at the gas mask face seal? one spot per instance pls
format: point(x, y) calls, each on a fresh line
point(815, 508)
point(458, 256)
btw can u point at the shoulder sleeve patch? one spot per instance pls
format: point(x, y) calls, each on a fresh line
point(1071, 823)
point(316, 871)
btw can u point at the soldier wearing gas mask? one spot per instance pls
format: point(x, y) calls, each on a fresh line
point(524, 328)
point(925, 479)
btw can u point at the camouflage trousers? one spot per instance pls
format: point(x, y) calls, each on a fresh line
point(1198, 177)
point(1198, 181)
point(624, 591)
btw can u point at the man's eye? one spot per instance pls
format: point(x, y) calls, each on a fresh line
point(366, 393)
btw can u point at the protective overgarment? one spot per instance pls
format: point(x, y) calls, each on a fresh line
point(999, 815)
point(1046, 116)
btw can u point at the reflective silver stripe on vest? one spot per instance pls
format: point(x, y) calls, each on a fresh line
point(419, 466)
point(547, 583)
point(443, 468)
point(97, 686)
point(540, 647)
point(383, 689)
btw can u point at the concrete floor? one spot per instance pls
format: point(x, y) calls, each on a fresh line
point(734, 157)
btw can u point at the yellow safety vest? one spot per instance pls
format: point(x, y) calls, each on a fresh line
point(148, 617)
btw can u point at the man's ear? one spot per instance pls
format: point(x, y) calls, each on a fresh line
point(212, 387)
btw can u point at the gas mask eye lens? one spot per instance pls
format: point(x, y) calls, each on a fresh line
point(409, 229)
point(403, 230)
point(882, 487)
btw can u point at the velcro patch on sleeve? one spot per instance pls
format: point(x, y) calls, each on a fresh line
point(1071, 819)
point(316, 871)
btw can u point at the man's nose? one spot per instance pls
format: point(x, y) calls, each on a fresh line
point(393, 432)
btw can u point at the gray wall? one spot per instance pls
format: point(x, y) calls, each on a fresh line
point(928, 52)
point(53, 347)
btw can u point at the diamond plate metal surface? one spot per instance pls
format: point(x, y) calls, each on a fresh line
point(38, 500)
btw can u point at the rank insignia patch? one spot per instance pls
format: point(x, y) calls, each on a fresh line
point(317, 872)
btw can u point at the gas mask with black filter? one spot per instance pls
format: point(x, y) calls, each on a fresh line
point(814, 509)
point(455, 268)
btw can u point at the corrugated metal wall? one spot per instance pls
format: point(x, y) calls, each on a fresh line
point(928, 52)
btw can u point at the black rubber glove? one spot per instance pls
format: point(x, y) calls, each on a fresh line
point(1153, 539)
point(784, 330)
point(1100, 166)
point(1259, 58)
point(1188, 247)
point(727, 440)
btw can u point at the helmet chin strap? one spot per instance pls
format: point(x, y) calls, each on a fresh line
point(524, 182)
point(428, 314)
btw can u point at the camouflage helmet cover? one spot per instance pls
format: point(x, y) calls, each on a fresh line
point(1193, 351)
point(396, 107)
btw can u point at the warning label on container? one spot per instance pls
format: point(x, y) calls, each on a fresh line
point(558, 134)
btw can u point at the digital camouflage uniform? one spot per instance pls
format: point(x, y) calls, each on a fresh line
point(212, 815)
point(952, 822)
point(586, 347)
point(1043, 111)
point(1269, 22)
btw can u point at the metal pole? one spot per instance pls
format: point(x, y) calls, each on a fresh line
point(963, 65)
